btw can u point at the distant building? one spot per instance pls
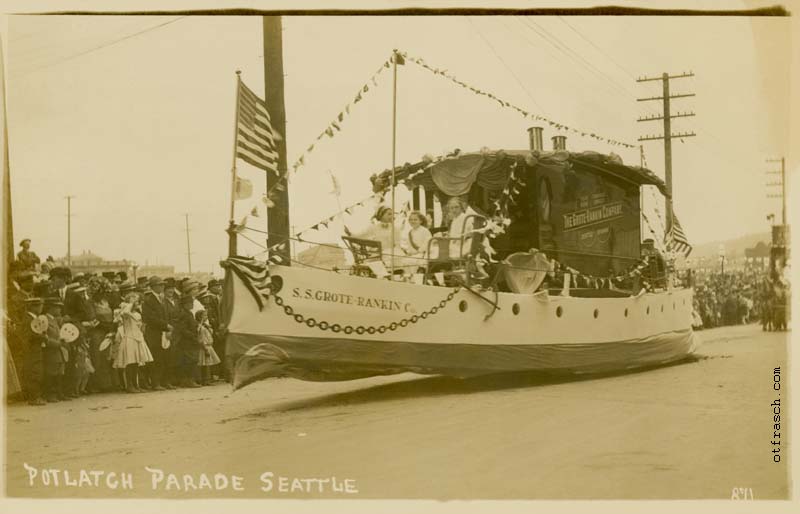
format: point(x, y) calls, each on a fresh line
point(200, 276)
point(87, 262)
point(757, 256)
point(162, 271)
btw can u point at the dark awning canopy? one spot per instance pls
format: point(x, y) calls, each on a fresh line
point(455, 173)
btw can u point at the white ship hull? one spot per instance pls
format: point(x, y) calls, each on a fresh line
point(337, 327)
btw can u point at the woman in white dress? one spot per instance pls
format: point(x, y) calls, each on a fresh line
point(415, 242)
point(132, 351)
point(382, 232)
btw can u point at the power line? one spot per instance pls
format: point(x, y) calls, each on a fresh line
point(104, 45)
point(596, 47)
point(491, 47)
point(724, 153)
point(569, 52)
point(31, 52)
point(584, 76)
point(560, 49)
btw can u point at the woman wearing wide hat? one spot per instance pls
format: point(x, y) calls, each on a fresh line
point(101, 334)
point(188, 345)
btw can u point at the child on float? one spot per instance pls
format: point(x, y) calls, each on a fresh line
point(415, 242)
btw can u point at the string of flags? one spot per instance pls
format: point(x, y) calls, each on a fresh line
point(335, 125)
point(509, 195)
point(583, 279)
point(327, 221)
point(537, 117)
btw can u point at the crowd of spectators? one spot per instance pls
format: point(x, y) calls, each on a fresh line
point(72, 334)
point(741, 297)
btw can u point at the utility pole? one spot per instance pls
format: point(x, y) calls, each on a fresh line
point(277, 185)
point(69, 229)
point(668, 135)
point(188, 245)
point(782, 183)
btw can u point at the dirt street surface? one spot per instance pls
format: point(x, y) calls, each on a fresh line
point(693, 430)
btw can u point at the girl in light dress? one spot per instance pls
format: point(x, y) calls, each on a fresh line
point(415, 242)
point(131, 350)
point(208, 357)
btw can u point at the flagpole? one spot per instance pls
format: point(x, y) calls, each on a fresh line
point(232, 250)
point(394, 148)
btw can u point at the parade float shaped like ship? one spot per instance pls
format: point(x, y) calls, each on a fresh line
point(563, 290)
point(581, 210)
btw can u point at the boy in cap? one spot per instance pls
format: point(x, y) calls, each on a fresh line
point(32, 361)
point(56, 354)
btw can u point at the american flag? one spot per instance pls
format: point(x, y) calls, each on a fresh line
point(255, 138)
point(254, 274)
point(675, 239)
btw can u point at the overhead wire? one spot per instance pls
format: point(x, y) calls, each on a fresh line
point(31, 55)
point(575, 56)
point(724, 154)
point(509, 68)
point(577, 71)
point(102, 46)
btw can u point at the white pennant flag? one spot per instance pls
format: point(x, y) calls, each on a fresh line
point(244, 189)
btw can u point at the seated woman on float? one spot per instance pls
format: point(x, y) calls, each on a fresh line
point(381, 231)
point(457, 214)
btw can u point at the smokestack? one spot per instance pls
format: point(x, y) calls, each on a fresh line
point(559, 142)
point(535, 138)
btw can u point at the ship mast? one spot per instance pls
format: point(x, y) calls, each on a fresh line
point(394, 150)
point(278, 224)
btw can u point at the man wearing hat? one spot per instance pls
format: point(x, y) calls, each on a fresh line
point(27, 260)
point(141, 284)
point(76, 303)
point(156, 324)
point(59, 278)
point(32, 359)
point(55, 352)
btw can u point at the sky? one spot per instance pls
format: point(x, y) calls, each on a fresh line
point(133, 116)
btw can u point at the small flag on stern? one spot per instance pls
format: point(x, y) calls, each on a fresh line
point(675, 239)
point(255, 137)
